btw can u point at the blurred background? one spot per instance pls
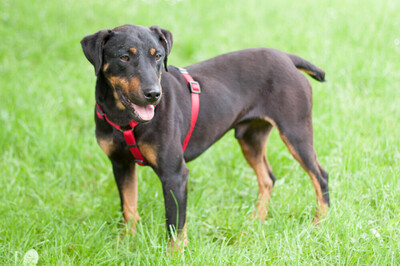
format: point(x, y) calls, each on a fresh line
point(57, 193)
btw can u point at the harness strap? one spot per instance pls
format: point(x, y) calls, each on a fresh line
point(102, 115)
point(129, 134)
point(195, 91)
point(133, 147)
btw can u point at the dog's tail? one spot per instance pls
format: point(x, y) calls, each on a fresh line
point(305, 66)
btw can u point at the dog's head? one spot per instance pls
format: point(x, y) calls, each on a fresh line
point(130, 58)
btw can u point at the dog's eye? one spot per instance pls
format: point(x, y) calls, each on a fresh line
point(124, 58)
point(158, 56)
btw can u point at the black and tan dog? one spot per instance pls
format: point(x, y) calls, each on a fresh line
point(250, 91)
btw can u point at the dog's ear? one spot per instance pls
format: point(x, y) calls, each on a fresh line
point(165, 38)
point(92, 46)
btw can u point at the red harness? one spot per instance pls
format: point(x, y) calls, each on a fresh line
point(130, 137)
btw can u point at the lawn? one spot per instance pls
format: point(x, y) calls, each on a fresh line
point(57, 192)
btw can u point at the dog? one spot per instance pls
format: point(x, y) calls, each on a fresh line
point(251, 91)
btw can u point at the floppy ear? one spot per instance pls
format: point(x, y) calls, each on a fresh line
point(165, 38)
point(92, 46)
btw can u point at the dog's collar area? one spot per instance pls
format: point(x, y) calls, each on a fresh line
point(129, 135)
point(103, 116)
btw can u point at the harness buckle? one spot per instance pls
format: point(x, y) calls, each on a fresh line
point(182, 70)
point(194, 87)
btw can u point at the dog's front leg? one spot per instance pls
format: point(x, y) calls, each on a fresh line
point(126, 178)
point(174, 183)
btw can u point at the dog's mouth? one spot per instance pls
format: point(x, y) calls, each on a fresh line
point(142, 113)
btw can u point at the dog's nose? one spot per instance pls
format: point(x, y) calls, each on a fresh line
point(152, 94)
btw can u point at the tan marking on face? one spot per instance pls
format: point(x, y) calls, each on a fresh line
point(152, 51)
point(134, 85)
point(105, 67)
point(107, 145)
point(117, 81)
point(118, 101)
point(127, 86)
point(149, 152)
point(159, 78)
point(133, 50)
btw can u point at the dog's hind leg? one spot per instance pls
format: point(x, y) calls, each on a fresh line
point(252, 137)
point(297, 134)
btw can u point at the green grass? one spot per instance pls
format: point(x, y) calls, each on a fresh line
point(57, 193)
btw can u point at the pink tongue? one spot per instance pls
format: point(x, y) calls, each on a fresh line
point(146, 113)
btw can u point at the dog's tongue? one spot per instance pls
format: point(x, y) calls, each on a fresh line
point(146, 113)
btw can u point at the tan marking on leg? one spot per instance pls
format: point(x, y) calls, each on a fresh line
point(152, 51)
point(269, 120)
point(107, 145)
point(129, 199)
point(177, 246)
point(292, 150)
point(321, 205)
point(265, 183)
point(149, 152)
point(133, 50)
point(105, 67)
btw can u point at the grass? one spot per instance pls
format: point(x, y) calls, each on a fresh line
point(57, 192)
